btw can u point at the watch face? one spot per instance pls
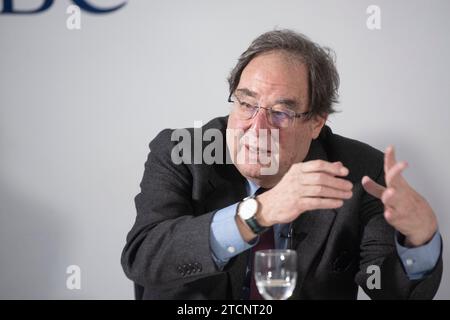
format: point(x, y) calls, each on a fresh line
point(248, 208)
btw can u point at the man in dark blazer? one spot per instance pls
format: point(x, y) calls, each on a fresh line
point(342, 205)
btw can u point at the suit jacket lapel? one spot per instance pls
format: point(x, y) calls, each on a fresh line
point(225, 180)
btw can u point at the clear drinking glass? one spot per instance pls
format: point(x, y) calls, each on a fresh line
point(275, 273)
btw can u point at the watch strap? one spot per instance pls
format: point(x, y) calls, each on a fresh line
point(255, 226)
point(252, 223)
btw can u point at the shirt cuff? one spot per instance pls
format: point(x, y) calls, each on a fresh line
point(225, 239)
point(419, 261)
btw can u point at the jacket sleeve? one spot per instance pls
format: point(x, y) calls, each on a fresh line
point(378, 248)
point(167, 244)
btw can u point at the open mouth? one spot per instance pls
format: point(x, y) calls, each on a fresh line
point(257, 150)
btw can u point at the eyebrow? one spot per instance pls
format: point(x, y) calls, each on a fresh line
point(247, 92)
point(290, 103)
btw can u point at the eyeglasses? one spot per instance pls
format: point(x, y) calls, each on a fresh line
point(279, 115)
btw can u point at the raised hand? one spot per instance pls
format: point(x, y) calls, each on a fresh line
point(405, 209)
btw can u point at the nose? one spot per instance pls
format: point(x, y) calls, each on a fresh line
point(260, 121)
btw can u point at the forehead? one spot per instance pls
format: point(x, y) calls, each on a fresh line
point(275, 75)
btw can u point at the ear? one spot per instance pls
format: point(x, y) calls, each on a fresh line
point(316, 124)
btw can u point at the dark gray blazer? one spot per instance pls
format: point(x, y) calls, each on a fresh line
point(167, 253)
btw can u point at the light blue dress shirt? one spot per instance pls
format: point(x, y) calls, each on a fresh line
point(227, 242)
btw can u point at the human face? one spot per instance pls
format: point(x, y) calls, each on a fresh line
point(269, 78)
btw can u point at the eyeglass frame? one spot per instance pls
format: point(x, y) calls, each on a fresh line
point(294, 116)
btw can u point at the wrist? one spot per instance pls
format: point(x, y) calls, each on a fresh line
point(246, 221)
point(245, 231)
point(263, 211)
point(420, 239)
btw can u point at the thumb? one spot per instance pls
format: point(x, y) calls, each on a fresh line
point(372, 187)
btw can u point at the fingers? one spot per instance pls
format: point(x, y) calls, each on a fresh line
point(333, 168)
point(390, 209)
point(325, 192)
point(372, 187)
point(393, 169)
point(389, 216)
point(321, 186)
point(389, 158)
point(319, 203)
point(393, 176)
point(327, 180)
point(397, 199)
point(388, 197)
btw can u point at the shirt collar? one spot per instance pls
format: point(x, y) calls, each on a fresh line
point(251, 187)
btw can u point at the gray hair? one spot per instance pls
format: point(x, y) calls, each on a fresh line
point(323, 78)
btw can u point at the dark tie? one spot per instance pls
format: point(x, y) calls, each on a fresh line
point(266, 241)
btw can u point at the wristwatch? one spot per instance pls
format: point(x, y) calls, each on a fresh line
point(246, 210)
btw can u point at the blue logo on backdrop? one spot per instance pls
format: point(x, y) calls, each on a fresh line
point(8, 7)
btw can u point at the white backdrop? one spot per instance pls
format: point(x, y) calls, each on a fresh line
point(79, 107)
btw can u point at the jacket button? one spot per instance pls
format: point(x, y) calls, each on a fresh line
point(188, 270)
point(197, 267)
